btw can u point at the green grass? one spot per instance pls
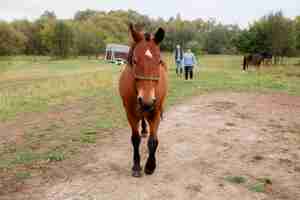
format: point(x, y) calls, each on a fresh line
point(258, 187)
point(27, 86)
point(261, 185)
point(34, 86)
point(55, 156)
point(25, 157)
point(236, 179)
point(23, 175)
point(89, 131)
point(28, 157)
point(88, 135)
point(223, 73)
point(37, 85)
point(90, 139)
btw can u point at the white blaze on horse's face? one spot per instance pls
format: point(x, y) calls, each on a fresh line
point(146, 88)
point(148, 54)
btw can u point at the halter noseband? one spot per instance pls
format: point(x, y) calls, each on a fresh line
point(147, 78)
point(132, 64)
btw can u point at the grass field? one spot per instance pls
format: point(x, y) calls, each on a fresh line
point(34, 86)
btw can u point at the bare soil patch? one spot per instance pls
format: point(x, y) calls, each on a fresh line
point(215, 146)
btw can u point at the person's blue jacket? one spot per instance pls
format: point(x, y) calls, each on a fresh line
point(189, 59)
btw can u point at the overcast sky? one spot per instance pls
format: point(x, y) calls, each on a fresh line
point(226, 11)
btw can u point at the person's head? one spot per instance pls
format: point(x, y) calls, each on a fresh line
point(178, 46)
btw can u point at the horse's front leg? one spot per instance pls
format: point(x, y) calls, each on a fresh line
point(135, 140)
point(152, 144)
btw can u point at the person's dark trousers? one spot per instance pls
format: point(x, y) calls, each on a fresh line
point(188, 70)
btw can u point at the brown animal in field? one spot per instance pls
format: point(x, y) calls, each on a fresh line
point(252, 59)
point(143, 89)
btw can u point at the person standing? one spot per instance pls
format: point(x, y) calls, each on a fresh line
point(178, 60)
point(189, 61)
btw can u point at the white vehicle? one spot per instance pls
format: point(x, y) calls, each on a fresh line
point(120, 61)
point(116, 53)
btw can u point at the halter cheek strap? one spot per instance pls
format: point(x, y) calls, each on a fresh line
point(148, 78)
point(132, 64)
point(144, 77)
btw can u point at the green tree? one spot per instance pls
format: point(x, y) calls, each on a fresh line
point(91, 30)
point(48, 15)
point(85, 14)
point(297, 33)
point(11, 41)
point(88, 39)
point(282, 35)
point(216, 41)
point(220, 39)
point(272, 33)
point(62, 40)
point(45, 32)
point(28, 30)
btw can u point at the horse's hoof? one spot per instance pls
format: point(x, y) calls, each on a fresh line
point(136, 173)
point(150, 167)
point(149, 171)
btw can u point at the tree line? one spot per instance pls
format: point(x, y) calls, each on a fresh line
point(274, 34)
point(89, 31)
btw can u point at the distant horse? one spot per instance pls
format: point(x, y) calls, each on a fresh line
point(252, 59)
point(143, 88)
point(267, 58)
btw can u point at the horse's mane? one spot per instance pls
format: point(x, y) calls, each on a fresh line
point(130, 55)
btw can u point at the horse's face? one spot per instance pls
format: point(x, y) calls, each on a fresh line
point(146, 63)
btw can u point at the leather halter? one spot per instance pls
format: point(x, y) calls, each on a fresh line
point(140, 77)
point(148, 78)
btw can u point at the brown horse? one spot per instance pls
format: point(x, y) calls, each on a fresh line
point(143, 88)
point(252, 59)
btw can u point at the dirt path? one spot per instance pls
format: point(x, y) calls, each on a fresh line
point(202, 143)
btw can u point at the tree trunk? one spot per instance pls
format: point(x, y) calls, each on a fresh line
point(275, 60)
point(282, 60)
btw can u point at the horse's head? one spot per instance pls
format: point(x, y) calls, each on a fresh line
point(145, 60)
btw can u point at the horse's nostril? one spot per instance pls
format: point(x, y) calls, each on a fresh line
point(148, 107)
point(140, 100)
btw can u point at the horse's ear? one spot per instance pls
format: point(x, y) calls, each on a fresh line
point(159, 36)
point(135, 34)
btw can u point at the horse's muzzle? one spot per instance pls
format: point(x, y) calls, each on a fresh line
point(146, 106)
